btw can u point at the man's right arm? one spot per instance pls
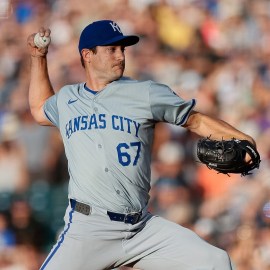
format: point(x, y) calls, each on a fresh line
point(40, 88)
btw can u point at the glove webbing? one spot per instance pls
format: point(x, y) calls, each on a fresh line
point(255, 157)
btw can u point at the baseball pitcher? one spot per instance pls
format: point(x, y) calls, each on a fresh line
point(107, 124)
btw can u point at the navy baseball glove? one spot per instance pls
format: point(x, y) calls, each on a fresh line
point(228, 156)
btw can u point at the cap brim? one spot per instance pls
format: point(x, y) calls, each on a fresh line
point(122, 40)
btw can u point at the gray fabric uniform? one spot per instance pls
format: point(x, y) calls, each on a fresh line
point(108, 138)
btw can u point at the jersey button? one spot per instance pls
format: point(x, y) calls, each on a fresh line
point(99, 146)
point(95, 109)
point(106, 169)
point(118, 192)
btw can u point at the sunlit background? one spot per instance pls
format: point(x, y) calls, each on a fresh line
point(215, 51)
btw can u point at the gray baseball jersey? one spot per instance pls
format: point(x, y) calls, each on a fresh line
point(108, 138)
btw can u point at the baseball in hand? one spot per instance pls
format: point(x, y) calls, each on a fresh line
point(41, 42)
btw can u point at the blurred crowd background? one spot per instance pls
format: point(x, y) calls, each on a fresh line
point(216, 51)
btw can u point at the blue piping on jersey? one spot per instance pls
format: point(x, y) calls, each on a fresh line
point(60, 241)
point(187, 114)
point(90, 90)
point(48, 116)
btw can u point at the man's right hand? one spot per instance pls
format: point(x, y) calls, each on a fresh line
point(33, 49)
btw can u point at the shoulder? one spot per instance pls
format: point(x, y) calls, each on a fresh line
point(70, 89)
point(149, 85)
point(157, 88)
point(146, 83)
point(131, 82)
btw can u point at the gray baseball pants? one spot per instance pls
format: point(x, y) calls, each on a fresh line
point(95, 242)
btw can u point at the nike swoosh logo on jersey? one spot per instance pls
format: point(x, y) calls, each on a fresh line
point(72, 101)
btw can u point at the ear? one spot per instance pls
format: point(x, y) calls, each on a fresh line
point(86, 55)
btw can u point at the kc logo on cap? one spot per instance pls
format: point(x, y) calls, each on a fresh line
point(104, 33)
point(115, 27)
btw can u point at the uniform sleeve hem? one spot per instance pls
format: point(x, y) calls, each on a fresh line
point(48, 116)
point(185, 117)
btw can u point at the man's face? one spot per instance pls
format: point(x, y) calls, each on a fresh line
point(108, 62)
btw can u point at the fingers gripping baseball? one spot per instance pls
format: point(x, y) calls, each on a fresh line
point(38, 43)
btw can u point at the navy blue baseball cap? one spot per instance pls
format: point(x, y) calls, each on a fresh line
point(104, 33)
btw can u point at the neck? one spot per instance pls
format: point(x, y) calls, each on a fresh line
point(96, 84)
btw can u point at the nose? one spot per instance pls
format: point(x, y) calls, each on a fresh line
point(120, 54)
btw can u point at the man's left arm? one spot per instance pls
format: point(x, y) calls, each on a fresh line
point(216, 129)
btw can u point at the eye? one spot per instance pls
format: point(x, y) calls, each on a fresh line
point(114, 49)
point(111, 49)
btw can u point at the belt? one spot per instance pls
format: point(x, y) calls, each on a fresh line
point(130, 218)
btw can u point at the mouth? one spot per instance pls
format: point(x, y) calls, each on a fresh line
point(119, 66)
